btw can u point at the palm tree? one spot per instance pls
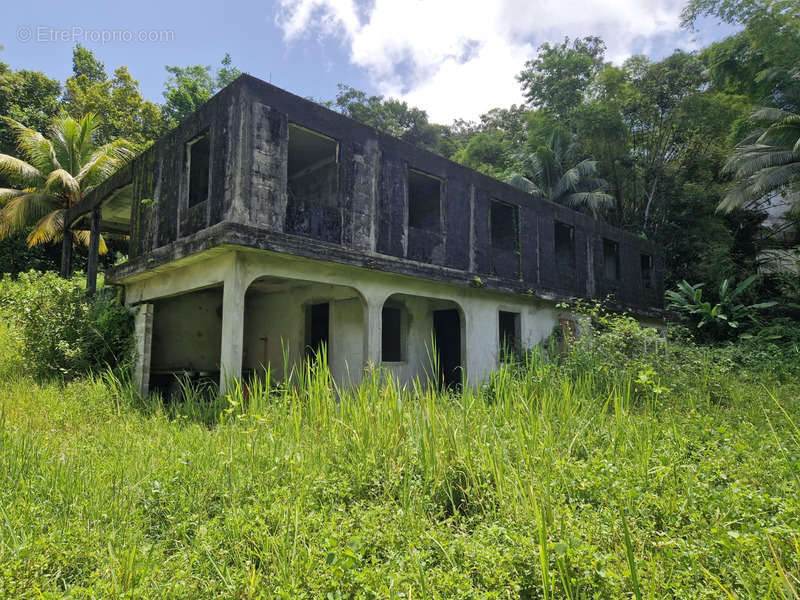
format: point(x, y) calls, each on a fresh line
point(553, 171)
point(54, 173)
point(766, 165)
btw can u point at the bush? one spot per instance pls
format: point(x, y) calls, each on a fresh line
point(62, 332)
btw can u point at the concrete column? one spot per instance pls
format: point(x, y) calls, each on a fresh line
point(232, 323)
point(143, 338)
point(94, 251)
point(372, 330)
point(480, 346)
point(66, 253)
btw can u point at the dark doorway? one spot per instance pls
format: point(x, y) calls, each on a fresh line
point(317, 327)
point(447, 336)
point(509, 334)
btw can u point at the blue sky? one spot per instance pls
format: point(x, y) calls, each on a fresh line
point(454, 58)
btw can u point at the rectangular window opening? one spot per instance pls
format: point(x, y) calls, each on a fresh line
point(509, 334)
point(504, 226)
point(564, 245)
point(391, 334)
point(317, 327)
point(647, 270)
point(197, 156)
point(611, 259)
point(424, 201)
point(312, 185)
point(311, 154)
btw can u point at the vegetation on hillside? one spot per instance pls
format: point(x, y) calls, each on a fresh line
point(623, 468)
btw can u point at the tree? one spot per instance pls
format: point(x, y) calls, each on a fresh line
point(394, 117)
point(86, 69)
point(766, 164)
point(54, 173)
point(558, 78)
point(763, 57)
point(27, 96)
point(188, 88)
point(122, 110)
point(555, 171)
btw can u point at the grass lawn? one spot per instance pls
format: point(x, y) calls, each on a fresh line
point(550, 483)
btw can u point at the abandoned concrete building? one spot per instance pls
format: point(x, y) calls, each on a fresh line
point(265, 225)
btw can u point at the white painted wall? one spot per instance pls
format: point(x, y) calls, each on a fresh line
point(278, 313)
point(356, 296)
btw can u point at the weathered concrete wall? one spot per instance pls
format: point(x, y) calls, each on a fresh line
point(187, 332)
point(361, 203)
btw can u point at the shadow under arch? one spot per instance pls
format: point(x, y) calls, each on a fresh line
point(427, 334)
point(287, 320)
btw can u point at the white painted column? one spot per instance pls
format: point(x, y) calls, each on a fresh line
point(481, 340)
point(372, 329)
point(232, 323)
point(143, 337)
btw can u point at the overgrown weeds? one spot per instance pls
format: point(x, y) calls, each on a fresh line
point(623, 468)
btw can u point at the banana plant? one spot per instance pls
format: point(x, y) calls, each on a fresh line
point(725, 315)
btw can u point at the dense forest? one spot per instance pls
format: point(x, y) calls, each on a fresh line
point(697, 151)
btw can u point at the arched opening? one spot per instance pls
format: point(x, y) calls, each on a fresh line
point(289, 320)
point(423, 337)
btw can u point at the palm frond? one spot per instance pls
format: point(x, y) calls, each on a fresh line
point(61, 182)
point(597, 201)
point(47, 229)
point(748, 160)
point(763, 182)
point(81, 236)
point(767, 114)
point(523, 183)
point(9, 193)
point(103, 162)
point(20, 211)
point(19, 170)
point(34, 146)
point(568, 182)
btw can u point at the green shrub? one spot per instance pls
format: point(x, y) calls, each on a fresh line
point(62, 332)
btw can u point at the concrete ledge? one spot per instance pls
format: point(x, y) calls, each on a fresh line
point(230, 234)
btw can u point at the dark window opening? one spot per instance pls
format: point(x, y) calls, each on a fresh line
point(647, 270)
point(391, 334)
point(309, 152)
point(509, 334)
point(610, 259)
point(504, 226)
point(424, 201)
point(564, 245)
point(312, 185)
point(447, 337)
point(197, 155)
point(317, 326)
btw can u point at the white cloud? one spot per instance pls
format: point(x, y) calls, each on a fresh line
point(459, 58)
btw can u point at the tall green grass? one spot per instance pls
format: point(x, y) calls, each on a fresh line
point(555, 479)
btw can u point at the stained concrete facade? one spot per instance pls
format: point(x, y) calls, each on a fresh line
point(265, 224)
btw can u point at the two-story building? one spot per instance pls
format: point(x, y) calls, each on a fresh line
point(266, 225)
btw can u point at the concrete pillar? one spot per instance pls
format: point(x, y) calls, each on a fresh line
point(480, 346)
point(232, 323)
point(66, 254)
point(143, 338)
point(94, 251)
point(373, 329)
